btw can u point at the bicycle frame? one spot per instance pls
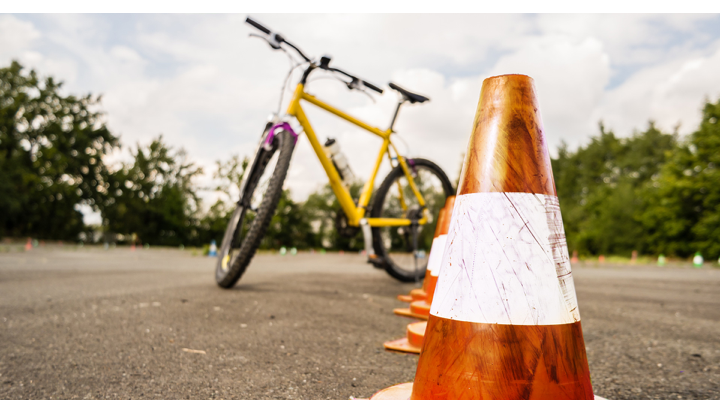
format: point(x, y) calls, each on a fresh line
point(355, 214)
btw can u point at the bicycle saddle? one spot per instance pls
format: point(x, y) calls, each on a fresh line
point(410, 96)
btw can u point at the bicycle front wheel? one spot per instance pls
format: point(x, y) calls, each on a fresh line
point(256, 207)
point(395, 199)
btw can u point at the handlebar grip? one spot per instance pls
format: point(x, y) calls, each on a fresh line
point(371, 86)
point(257, 25)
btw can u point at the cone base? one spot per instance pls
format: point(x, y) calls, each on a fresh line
point(405, 298)
point(412, 343)
point(416, 333)
point(405, 312)
point(397, 392)
point(403, 392)
point(402, 345)
point(418, 294)
point(420, 307)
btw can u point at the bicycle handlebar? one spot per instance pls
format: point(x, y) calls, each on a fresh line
point(371, 86)
point(355, 80)
point(257, 25)
point(354, 84)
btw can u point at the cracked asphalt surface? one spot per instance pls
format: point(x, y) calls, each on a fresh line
point(92, 323)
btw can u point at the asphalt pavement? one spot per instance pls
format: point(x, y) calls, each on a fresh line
point(91, 323)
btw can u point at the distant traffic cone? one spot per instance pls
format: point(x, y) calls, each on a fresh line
point(504, 322)
point(421, 308)
point(28, 245)
point(421, 293)
point(698, 260)
point(413, 340)
point(661, 260)
point(132, 246)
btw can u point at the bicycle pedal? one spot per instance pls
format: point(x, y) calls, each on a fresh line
point(376, 261)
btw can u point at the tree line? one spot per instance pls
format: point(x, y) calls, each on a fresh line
point(653, 192)
point(52, 150)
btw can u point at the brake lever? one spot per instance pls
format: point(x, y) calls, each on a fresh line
point(356, 84)
point(270, 39)
point(367, 93)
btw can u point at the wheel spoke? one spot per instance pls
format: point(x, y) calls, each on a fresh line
point(258, 202)
point(408, 248)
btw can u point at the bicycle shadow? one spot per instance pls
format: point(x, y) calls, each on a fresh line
point(258, 288)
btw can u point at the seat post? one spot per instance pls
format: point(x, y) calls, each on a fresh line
point(397, 110)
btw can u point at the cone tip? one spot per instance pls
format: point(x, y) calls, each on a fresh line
point(507, 151)
point(520, 76)
point(502, 80)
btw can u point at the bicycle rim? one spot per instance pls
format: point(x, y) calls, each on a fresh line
point(398, 241)
point(243, 217)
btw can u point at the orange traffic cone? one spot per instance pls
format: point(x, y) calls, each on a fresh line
point(436, 251)
point(421, 308)
point(413, 340)
point(435, 247)
point(28, 245)
point(504, 321)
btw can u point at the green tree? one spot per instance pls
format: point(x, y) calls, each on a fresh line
point(600, 187)
point(228, 175)
point(154, 197)
point(213, 224)
point(51, 156)
point(683, 201)
point(322, 208)
point(289, 226)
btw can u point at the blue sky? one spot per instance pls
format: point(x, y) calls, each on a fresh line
point(201, 82)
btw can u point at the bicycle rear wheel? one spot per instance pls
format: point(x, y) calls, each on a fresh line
point(395, 199)
point(254, 210)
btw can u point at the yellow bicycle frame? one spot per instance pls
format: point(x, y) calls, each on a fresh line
point(354, 213)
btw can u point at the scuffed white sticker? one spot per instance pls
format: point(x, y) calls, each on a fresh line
point(506, 262)
point(436, 253)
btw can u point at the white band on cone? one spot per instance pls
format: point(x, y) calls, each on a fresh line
point(506, 262)
point(436, 252)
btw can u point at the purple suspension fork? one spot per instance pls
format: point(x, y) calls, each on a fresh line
point(267, 144)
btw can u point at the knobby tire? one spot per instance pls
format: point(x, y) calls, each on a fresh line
point(377, 208)
point(256, 232)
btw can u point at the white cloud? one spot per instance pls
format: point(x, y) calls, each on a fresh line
point(670, 94)
point(632, 38)
point(201, 82)
point(570, 76)
point(15, 36)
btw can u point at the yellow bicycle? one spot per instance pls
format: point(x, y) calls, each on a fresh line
point(397, 227)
